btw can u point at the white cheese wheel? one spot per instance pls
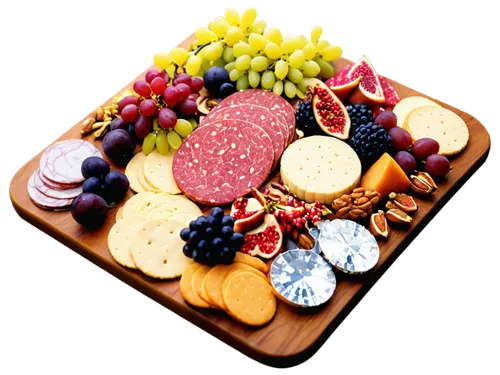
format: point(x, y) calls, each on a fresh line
point(440, 124)
point(406, 105)
point(158, 172)
point(320, 168)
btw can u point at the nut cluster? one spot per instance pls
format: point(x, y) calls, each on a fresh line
point(357, 205)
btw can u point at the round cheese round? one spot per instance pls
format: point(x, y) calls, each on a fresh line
point(408, 104)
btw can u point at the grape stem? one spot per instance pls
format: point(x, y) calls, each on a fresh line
point(199, 48)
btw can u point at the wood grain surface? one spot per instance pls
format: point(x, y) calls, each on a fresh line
point(295, 334)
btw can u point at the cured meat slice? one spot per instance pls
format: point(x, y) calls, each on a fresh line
point(55, 185)
point(54, 193)
point(44, 201)
point(257, 116)
point(62, 161)
point(221, 161)
point(274, 103)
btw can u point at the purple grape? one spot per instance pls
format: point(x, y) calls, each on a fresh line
point(118, 146)
point(387, 119)
point(93, 185)
point(143, 126)
point(187, 107)
point(118, 123)
point(115, 185)
point(94, 166)
point(406, 161)
point(401, 139)
point(437, 165)
point(89, 210)
point(424, 147)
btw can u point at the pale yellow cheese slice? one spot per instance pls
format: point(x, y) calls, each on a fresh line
point(130, 207)
point(145, 183)
point(158, 172)
point(320, 168)
point(406, 105)
point(119, 239)
point(119, 214)
point(156, 249)
point(440, 124)
point(169, 208)
point(132, 171)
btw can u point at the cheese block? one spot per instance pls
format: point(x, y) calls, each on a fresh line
point(407, 105)
point(320, 168)
point(132, 171)
point(158, 172)
point(385, 176)
point(440, 124)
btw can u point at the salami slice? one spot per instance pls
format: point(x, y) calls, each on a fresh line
point(221, 161)
point(44, 201)
point(62, 162)
point(54, 193)
point(257, 116)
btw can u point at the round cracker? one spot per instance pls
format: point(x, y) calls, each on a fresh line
point(167, 208)
point(145, 183)
point(251, 261)
point(132, 171)
point(119, 239)
point(197, 282)
point(119, 214)
point(158, 172)
point(188, 292)
point(156, 249)
point(249, 299)
point(130, 206)
point(408, 104)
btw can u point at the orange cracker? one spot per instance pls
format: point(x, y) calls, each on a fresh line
point(187, 290)
point(197, 282)
point(249, 298)
point(251, 261)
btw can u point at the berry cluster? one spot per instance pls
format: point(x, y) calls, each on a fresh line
point(306, 121)
point(360, 114)
point(370, 141)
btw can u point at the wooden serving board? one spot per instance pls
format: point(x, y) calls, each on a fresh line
point(295, 334)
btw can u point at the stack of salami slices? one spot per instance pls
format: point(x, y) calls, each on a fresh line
point(235, 147)
point(59, 179)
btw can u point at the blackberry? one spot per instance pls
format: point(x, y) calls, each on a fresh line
point(360, 114)
point(370, 141)
point(306, 121)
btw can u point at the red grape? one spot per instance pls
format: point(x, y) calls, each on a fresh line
point(166, 78)
point(187, 107)
point(424, 147)
point(126, 101)
point(196, 84)
point(193, 97)
point(406, 161)
point(152, 74)
point(437, 165)
point(142, 88)
point(167, 118)
point(387, 119)
point(158, 86)
point(182, 78)
point(172, 96)
point(130, 113)
point(148, 107)
point(401, 139)
point(184, 90)
point(142, 126)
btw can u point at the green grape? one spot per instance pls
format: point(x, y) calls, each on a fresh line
point(309, 51)
point(179, 56)
point(274, 35)
point(219, 26)
point(248, 18)
point(219, 62)
point(243, 62)
point(242, 83)
point(162, 142)
point(202, 52)
point(205, 35)
point(268, 79)
point(302, 41)
point(296, 59)
point(235, 74)
point(214, 51)
point(278, 88)
point(174, 140)
point(300, 94)
point(156, 124)
point(332, 53)
point(205, 64)
point(193, 65)
point(258, 27)
point(161, 60)
point(253, 78)
point(242, 48)
point(230, 66)
point(148, 145)
point(295, 75)
point(257, 41)
point(321, 45)
point(193, 123)
point(289, 44)
point(233, 36)
point(301, 86)
point(290, 90)
point(326, 68)
point(232, 17)
point(316, 33)
point(310, 69)
point(183, 127)
point(259, 63)
point(272, 50)
point(281, 69)
point(227, 55)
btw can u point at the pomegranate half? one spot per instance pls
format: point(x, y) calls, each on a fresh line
point(264, 241)
point(369, 89)
point(247, 213)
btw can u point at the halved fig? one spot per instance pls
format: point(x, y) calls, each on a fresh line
point(369, 90)
point(341, 85)
point(397, 216)
point(329, 112)
point(248, 214)
point(378, 225)
point(404, 202)
point(265, 241)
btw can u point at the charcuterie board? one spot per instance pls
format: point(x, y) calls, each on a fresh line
point(294, 335)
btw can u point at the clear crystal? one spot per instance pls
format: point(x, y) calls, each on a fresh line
point(348, 246)
point(303, 278)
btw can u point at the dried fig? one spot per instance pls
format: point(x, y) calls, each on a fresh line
point(404, 202)
point(378, 225)
point(397, 216)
